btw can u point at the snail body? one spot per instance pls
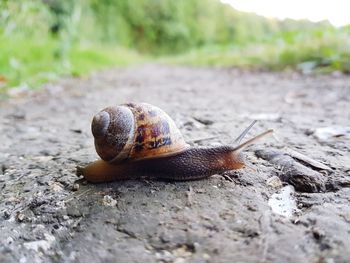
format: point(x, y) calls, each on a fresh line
point(134, 140)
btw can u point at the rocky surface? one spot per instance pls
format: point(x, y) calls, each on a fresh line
point(48, 214)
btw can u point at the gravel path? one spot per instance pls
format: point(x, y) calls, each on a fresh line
point(47, 214)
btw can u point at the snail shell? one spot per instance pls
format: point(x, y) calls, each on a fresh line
point(134, 132)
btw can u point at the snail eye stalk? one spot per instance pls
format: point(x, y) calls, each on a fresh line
point(238, 140)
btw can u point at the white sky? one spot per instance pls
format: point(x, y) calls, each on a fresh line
point(336, 11)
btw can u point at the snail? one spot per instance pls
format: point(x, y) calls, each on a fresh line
point(134, 140)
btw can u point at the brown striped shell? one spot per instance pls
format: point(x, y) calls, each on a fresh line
point(135, 131)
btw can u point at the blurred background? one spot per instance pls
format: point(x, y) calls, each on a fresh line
point(42, 40)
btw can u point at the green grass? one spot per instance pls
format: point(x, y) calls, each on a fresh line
point(317, 51)
point(32, 62)
point(209, 33)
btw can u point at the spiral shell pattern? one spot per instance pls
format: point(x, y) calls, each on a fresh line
point(134, 132)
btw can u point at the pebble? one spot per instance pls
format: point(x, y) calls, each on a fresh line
point(182, 252)
point(9, 240)
point(13, 200)
point(75, 187)
point(283, 202)
point(65, 217)
point(74, 211)
point(20, 217)
point(56, 187)
point(164, 255)
point(109, 201)
point(274, 182)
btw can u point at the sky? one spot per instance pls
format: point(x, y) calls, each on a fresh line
point(336, 11)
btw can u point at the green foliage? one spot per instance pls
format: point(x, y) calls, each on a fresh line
point(33, 52)
point(43, 39)
point(169, 26)
point(33, 62)
point(323, 50)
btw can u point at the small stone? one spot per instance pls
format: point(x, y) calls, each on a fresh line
point(182, 252)
point(164, 255)
point(12, 200)
point(109, 201)
point(75, 187)
point(74, 211)
point(20, 217)
point(9, 240)
point(56, 187)
point(274, 182)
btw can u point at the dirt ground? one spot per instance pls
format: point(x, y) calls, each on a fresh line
point(48, 214)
